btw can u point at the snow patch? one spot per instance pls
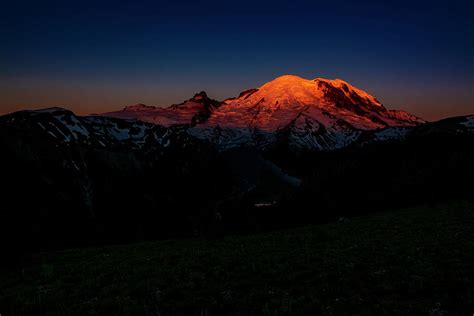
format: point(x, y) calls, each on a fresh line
point(469, 122)
point(265, 204)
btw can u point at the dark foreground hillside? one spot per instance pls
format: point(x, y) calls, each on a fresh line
point(417, 261)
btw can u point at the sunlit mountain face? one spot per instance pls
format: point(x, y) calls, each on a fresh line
point(317, 114)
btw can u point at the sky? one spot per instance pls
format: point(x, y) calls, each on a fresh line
point(99, 56)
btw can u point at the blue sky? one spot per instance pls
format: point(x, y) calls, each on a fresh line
point(95, 56)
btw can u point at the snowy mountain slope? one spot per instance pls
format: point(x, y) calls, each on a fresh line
point(63, 127)
point(193, 111)
point(102, 178)
point(315, 114)
point(469, 122)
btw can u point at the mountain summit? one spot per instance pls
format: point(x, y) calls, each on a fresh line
point(288, 98)
point(316, 113)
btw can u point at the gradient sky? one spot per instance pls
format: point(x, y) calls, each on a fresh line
point(97, 56)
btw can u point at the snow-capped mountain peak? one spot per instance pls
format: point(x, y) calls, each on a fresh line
point(317, 113)
point(193, 111)
point(349, 90)
point(279, 102)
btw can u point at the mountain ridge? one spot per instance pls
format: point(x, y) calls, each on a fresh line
point(95, 178)
point(320, 114)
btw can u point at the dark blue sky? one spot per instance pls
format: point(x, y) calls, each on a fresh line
point(95, 56)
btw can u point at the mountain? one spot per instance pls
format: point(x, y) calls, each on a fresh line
point(71, 180)
point(193, 111)
point(291, 152)
point(317, 114)
point(430, 163)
